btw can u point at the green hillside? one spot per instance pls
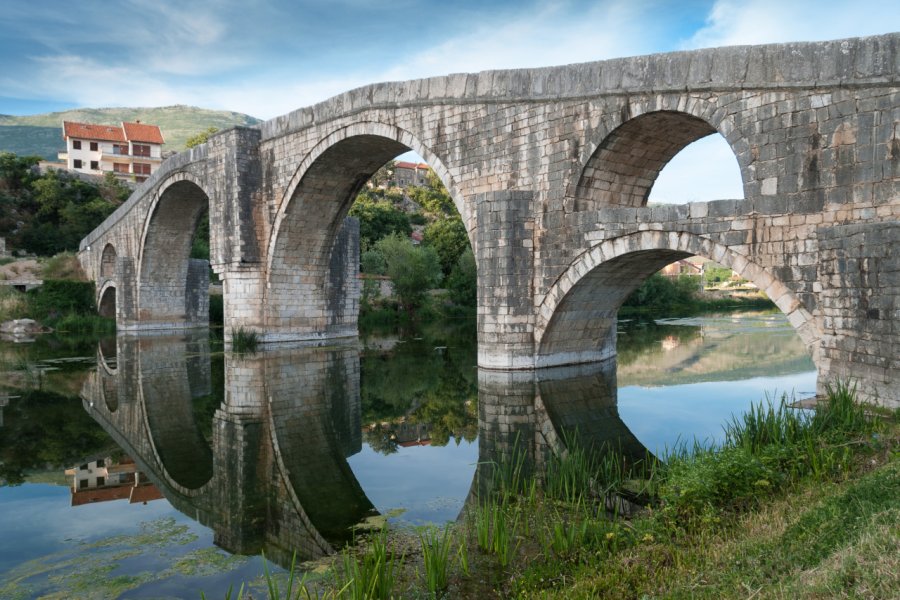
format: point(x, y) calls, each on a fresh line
point(41, 135)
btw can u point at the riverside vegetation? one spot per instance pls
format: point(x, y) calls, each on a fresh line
point(794, 503)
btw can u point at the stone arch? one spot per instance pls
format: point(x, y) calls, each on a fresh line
point(626, 153)
point(108, 262)
point(106, 306)
point(577, 324)
point(172, 287)
point(301, 276)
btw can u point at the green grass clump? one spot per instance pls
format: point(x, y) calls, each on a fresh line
point(244, 340)
point(371, 576)
point(436, 546)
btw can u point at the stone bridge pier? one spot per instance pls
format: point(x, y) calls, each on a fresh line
point(551, 170)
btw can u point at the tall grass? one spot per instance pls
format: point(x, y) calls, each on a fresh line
point(371, 576)
point(436, 557)
point(244, 340)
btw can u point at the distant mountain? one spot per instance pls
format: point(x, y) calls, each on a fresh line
point(41, 135)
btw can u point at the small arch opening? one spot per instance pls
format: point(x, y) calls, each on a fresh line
point(108, 262)
point(107, 306)
point(660, 157)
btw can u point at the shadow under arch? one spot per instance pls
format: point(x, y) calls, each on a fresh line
point(303, 283)
point(628, 154)
point(577, 319)
point(173, 287)
point(172, 373)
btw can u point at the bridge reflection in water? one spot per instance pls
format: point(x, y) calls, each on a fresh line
point(270, 472)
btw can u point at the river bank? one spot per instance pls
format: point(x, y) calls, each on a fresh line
point(793, 504)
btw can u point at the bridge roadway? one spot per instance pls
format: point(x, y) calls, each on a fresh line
point(550, 169)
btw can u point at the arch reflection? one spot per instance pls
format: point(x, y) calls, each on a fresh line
point(268, 470)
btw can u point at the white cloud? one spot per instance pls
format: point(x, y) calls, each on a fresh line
point(737, 22)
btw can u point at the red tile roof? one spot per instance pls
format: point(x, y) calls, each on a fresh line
point(89, 131)
point(141, 132)
point(134, 132)
point(409, 165)
point(145, 493)
point(104, 494)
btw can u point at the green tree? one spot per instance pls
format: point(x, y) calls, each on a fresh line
point(413, 269)
point(433, 197)
point(463, 280)
point(17, 172)
point(200, 138)
point(378, 219)
point(449, 239)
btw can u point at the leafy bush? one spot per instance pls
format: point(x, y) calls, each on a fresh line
point(378, 219)
point(449, 239)
point(463, 280)
point(413, 269)
point(661, 292)
point(56, 298)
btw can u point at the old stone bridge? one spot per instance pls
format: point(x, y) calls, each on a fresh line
point(551, 169)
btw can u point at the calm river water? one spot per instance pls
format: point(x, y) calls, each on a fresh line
point(160, 466)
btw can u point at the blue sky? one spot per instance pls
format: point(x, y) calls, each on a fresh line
point(268, 58)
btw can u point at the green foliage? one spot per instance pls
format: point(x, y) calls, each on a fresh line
point(24, 441)
point(200, 241)
point(372, 261)
point(56, 298)
point(716, 274)
point(244, 340)
point(463, 280)
point(378, 219)
point(433, 197)
point(449, 239)
point(373, 575)
point(436, 546)
point(200, 138)
point(17, 172)
point(661, 292)
point(56, 210)
point(413, 269)
point(216, 309)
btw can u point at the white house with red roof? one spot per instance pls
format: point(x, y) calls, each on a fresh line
point(131, 150)
point(410, 173)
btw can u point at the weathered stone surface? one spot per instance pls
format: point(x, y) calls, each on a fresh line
point(550, 169)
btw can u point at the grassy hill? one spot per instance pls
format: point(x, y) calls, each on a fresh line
point(41, 135)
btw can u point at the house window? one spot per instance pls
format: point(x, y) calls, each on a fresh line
point(82, 483)
point(76, 145)
point(101, 462)
point(95, 165)
point(101, 481)
point(77, 163)
point(141, 169)
point(120, 149)
point(140, 150)
point(120, 167)
point(94, 147)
